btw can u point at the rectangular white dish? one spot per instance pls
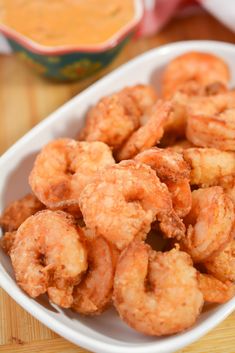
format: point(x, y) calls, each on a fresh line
point(106, 333)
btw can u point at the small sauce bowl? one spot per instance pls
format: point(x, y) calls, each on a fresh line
point(70, 63)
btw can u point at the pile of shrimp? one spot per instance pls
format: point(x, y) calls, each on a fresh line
point(138, 211)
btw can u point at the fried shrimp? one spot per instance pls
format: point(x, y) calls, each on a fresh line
point(209, 165)
point(18, 211)
point(222, 265)
point(169, 165)
point(111, 121)
point(209, 223)
point(7, 241)
point(93, 294)
point(139, 211)
point(147, 135)
point(123, 202)
point(48, 255)
point(211, 122)
point(144, 96)
point(190, 73)
point(64, 167)
point(172, 170)
point(214, 290)
point(116, 117)
point(156, 293)
point(181, 103)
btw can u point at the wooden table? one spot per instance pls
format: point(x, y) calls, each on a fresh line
point(26, 99)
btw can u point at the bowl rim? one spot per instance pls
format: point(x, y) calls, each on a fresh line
point(110, 43)
point(172, 343)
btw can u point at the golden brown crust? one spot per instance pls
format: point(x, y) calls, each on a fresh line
point(214, 290)
point(156, 293)
point(93, 294)
point(18, 211)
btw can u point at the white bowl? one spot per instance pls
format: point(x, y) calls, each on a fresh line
point(106, 333)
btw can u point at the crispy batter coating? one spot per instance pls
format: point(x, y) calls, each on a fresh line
point(18, 211)
point(211, 122)
point(149, 134)
point(172, 170)
point(123, 202)
point(209, 223)
point(222, 265)
point(93, 294)
point(156, 293)
point(114, 118)
point(64, 167)
point(209, 165)
point(214, 290)
point(49, 255)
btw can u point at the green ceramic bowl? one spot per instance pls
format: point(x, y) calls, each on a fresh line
point(69, 62)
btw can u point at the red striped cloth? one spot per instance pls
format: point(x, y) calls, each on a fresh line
point(158, 12)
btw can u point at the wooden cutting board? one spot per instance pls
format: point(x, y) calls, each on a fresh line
point(25, 99)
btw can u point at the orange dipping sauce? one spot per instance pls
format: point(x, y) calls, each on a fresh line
point(66, 22)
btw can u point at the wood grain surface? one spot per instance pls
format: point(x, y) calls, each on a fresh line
point(26, 99)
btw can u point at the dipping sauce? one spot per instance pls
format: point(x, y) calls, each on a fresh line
point(66, 22)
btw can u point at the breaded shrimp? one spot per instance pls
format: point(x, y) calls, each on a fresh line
point(214, 290)
point(156, 293)
point(144, 96)
point(7, 241)
point(64, 167)
point(211, 122)
point(222, 265)
point(209, 223)
point(209, 165)
point(172, 170)
point(169, 165)
point(93, 294)
point(123, 202)
point(114, 118)
point(192, 72)
point(147, 135)
point(181, 103)
point(111, 121)
point(18, 211)
point(49, 255)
